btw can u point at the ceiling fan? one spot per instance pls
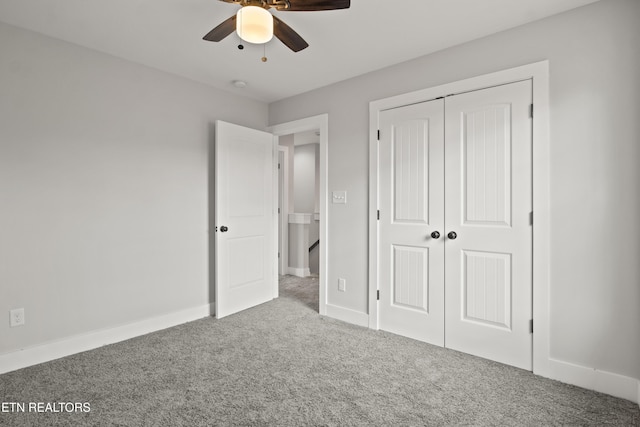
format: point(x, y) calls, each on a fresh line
point(255, 24)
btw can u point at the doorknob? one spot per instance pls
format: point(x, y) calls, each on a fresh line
point(435, 235)
point(452, 235)
point(224, 229)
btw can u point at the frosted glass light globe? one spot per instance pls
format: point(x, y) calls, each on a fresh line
point(254, 24)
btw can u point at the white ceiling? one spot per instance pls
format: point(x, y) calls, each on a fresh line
point(372, 34)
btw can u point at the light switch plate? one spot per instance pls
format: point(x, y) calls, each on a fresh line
point(339, 197)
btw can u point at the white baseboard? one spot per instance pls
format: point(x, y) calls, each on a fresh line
point(593, 379)
point(348, 315)
point(299, 272)
point(89, 341)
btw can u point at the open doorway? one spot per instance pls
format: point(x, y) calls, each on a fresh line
point(302, 195)
point(299, 216)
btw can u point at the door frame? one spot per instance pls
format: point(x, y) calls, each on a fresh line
point(539, 74)
point(321, 123)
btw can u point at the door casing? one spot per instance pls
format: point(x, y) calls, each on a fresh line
point(539, 74)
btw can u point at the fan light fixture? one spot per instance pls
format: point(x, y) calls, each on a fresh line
point(254, 24)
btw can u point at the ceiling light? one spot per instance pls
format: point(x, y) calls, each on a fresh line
point(254, 24)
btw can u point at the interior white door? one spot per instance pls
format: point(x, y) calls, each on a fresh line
point(411, 198)
point(245, 249)
point(488, 183)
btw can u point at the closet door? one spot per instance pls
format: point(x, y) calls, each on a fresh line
point(411, 197)
point(488, 236)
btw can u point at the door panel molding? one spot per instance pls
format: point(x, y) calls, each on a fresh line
point(539, 74)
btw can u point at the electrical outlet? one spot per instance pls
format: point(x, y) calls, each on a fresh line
point(342, 284)
point(17, 317)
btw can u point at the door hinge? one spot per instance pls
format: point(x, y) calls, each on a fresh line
point(378, 214)
point(278, 165)
point(530, 218)
point(531, 326)
point(378, 134)
point(531, 111)
point(278, 210)
point(378, 295)
point(278, 254)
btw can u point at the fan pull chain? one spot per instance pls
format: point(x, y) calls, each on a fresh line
point(264, 53)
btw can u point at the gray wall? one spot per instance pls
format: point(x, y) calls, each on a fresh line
point(288, 141)
point(595, 169)
point(304, 178)
point(104, 188)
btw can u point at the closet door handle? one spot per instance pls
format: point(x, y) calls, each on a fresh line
point(224, 229)
point(452, 235)
point(435, 235)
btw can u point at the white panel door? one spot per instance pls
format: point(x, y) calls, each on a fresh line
point(245, 249)
point(411, 209)
point(488, 185)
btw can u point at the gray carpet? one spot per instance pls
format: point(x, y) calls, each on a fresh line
point(282, 364)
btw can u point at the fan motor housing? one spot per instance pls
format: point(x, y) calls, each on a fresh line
point(267, 4)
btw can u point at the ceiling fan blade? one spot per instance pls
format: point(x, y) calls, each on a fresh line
point(222, 30)
point(311, 5)
point(287, 36)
